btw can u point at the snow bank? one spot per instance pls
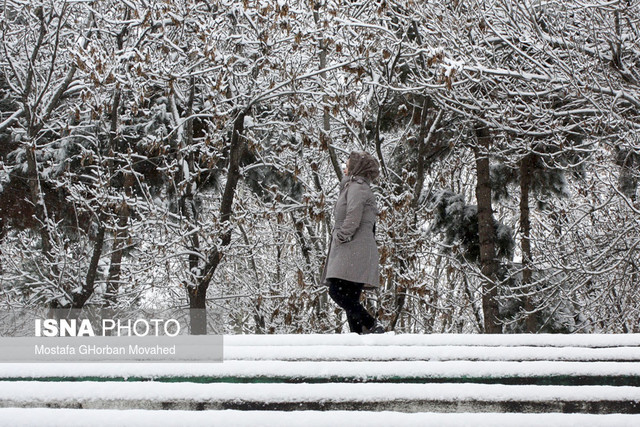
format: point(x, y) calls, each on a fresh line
point(533, 340)
point(113, 418)
point(435, 353)
point(333, 392)
point(324, 370)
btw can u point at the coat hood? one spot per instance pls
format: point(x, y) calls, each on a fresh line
point(363, 164)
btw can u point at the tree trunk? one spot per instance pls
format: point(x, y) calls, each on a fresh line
point(486, 233)
point(198, 294)
point(197, 310)
point(79, 299)
point(474, 307)
point(120, 232)
point(187, 203)
point(326, 125)
point(37, 198)
point(423, 141)
point(115, 265)
point(400, 293)
point(527, 260)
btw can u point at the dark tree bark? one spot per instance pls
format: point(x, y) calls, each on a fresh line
point(422, 142)
point(198, 293)
point(117, 250)
point(189, 211)
point(81, 298)
point(34, 127)
point(486, 233)
point(122, 211)
point(525, 224)
point(428, 124)
point(326, 125)
point(37, 198)
point(304, 245)
point(400, 294)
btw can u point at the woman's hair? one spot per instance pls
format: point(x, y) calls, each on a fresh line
point(363, 164)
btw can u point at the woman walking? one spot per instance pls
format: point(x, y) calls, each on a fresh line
point(352, 261)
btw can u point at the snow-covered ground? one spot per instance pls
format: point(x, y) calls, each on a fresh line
point(293, 361)
point(380, 357)
point(358, 370)
point(88, 393)
point(139, 418)
point(533, 340)
point(439, 353)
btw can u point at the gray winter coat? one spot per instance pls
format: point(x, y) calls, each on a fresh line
point(353, 253)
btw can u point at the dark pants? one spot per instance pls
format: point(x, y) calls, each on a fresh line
point(347, 295)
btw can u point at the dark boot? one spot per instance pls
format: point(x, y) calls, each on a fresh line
point(377, 328)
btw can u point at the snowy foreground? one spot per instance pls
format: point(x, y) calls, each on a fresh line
point(111, 418)
point(439, 380)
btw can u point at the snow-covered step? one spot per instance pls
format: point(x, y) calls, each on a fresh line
point(274, 371)
point(427, 353)
point(436, 347)
point(467, 340)
point(19, 417)
point(390, 374)
point(342, 397)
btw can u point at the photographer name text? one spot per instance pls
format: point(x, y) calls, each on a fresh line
point(103, 350)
